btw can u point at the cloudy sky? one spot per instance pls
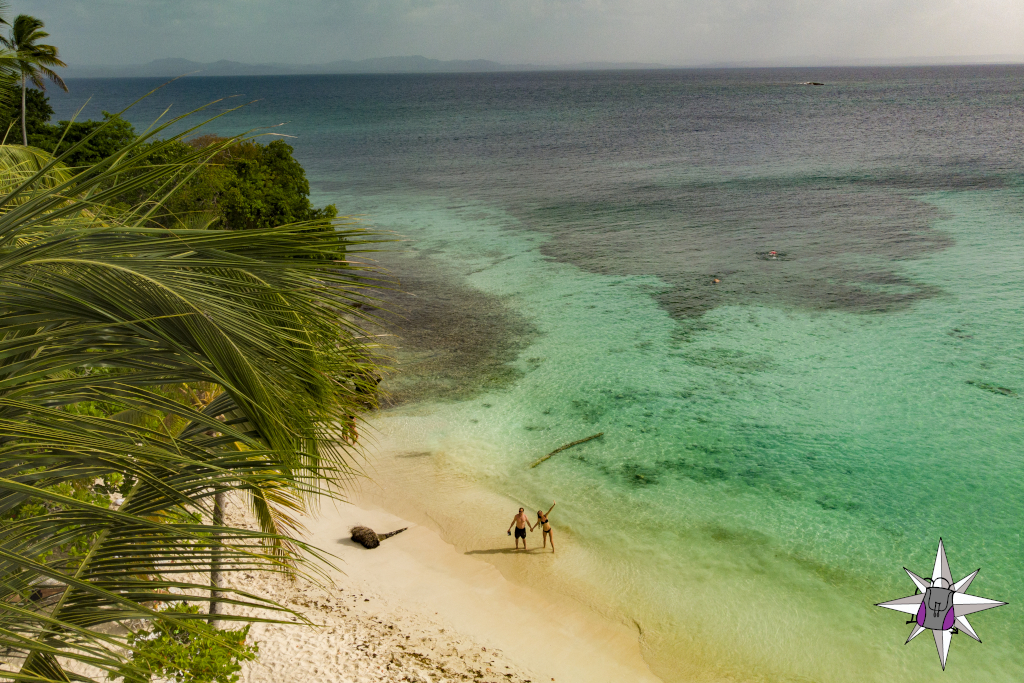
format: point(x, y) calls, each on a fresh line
point(678, 32)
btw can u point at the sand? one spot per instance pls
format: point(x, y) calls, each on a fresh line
point(361, 636)
point(417, 609)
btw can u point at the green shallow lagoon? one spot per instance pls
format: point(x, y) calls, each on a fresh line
point(765, 473)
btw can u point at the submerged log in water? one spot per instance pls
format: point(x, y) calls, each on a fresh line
point(368, 538)
point(568, 445)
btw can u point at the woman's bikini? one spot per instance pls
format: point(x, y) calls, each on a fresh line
point(546, 527)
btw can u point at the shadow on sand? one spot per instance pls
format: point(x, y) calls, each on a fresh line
point(502, 551)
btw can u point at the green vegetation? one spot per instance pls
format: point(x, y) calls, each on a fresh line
point(33, 60)
point(199, 655)
point(91, 141)
point(37, 112)
point(176, 322)
point(245, 185)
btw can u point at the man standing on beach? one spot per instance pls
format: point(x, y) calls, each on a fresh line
point(520, 523)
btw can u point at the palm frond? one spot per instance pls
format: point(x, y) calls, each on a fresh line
point(106, 309)
point(18, 163)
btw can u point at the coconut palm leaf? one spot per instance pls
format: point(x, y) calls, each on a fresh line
point(103, 309)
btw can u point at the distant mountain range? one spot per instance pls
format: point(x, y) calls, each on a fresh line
point(169, 68)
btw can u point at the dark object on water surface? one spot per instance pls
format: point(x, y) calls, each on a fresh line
point(562, 448)
point(811, 83)
point(993, 388)
point(772, 255)
point(368, 538)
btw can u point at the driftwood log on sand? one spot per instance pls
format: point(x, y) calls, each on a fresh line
point(568, 445)
point(368, 538)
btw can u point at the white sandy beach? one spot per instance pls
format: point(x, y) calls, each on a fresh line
point(416, 609)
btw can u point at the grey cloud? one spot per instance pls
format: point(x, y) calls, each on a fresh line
point(685, 32)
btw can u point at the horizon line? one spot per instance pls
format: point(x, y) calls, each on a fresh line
point(809, 62)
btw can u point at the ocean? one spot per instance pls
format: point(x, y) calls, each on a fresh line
point(795, 312)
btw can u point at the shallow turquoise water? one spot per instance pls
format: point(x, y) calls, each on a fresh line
point(764, 475)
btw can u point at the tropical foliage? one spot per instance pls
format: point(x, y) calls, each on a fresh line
point(246, 184)
point(91, 141)
point(203, 654)
point(148, 364)
point(34, 61)
point(37, 112)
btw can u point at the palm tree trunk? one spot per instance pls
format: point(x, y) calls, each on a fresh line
point(216, 569)
point(24, 131)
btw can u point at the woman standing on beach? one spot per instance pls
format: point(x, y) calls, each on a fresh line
point(542, 522)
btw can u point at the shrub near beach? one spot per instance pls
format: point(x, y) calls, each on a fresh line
point(246, 185)
point(203, 654)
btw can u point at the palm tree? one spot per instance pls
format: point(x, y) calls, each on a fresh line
point(34, 61)
point(103, 308)
point(9, 70)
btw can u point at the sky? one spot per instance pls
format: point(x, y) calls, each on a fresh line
point(673, 32)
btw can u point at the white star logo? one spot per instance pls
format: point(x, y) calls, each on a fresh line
point(942, 606)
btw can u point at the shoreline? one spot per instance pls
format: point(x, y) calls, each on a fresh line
point(449, 601)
